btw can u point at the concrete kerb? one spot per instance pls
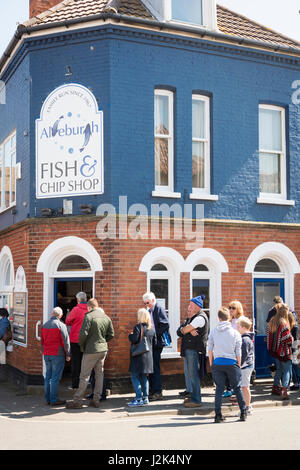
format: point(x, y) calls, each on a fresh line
point(116, 406)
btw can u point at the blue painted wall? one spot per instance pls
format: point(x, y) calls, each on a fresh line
point(15, 114)
point(123, 70)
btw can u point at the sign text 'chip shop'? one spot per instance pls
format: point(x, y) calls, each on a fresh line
point(69, 144)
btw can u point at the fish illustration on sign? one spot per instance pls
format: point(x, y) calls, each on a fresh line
point(55, 126)
point(87, 136)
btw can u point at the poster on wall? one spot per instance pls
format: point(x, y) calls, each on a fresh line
point(20, 317)
point(69, 144)
point(19, 310)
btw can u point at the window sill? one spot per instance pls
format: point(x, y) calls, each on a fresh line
point(277, 202)
point(204, 197)
point(6, 209)
point(169, 194)
point(170, 355)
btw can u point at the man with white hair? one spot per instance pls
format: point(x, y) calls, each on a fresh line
point(75, 320)
point(56, 350)
point(160, 323)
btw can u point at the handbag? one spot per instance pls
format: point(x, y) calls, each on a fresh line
point(7, 337)
point(142, 346)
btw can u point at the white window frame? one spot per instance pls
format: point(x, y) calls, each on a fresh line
point(168, 190)
point(169, 15)
point(175, 264)
point(206, 142)
point(276, 198)
point(163, 11)
point(6, 290)
point(168, 351)
point(2, 163)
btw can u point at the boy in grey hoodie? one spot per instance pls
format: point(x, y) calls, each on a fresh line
point(224, 352)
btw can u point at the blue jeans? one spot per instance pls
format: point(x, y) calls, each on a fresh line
point(192, 368)
point(54, 369)
point(140, 384)
point(296, 374)
point(283, 373)
point(233, 373)
point(188, 384)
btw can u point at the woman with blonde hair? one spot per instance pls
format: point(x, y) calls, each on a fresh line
point(279, 344)
point(141, 365)
point(236, 312)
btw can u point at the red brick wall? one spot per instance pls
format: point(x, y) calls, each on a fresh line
point(120, 286)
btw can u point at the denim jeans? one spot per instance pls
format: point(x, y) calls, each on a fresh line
point(188, 383)
point(140, 384)
point(192, 367)
point(296, 374)
point(54, 369)
point(283, 373)
point(234, 376)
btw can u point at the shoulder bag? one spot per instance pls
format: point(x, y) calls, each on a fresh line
point(142, 346)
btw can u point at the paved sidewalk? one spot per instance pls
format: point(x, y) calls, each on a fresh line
point(13, 404)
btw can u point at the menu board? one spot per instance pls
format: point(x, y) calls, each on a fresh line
point(20, 317)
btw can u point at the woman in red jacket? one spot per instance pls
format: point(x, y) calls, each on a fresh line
point(75, 320)
point(279, 343)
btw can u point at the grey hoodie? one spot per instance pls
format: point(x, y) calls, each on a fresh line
point(225, 341)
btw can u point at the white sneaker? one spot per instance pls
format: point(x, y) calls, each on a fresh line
point(249, 410)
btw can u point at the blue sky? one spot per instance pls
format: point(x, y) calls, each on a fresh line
point(283, 16)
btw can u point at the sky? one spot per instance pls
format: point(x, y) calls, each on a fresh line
point(281, 15)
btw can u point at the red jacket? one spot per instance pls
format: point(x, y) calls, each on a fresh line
point(75, 319)
point(54, 338)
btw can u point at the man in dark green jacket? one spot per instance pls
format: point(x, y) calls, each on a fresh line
point(95, 332)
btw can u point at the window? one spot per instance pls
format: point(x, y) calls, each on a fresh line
point(6, 279)
point(163, 266)
point(200, 145)
point(8, 172)
point(200, 284)
point(272, 152)
point(267, 265)
point(160, 279)
point(164, 140)
point(187, 12)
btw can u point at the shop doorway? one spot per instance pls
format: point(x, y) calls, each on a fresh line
point(65, 290)
point(264, 292)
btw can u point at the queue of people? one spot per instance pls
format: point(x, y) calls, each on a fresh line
point(91, 329)
point(228, 350)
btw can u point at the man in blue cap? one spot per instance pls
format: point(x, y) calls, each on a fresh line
point(194, 333)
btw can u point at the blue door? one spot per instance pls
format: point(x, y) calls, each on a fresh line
point(264, 292)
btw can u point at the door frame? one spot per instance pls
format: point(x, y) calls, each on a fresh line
point(265, 278)
point(70, 279)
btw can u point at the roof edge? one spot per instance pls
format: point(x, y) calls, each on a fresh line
point(26, 28)
point(266, 28)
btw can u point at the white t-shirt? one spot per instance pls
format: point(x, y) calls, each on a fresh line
point(198, 322)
